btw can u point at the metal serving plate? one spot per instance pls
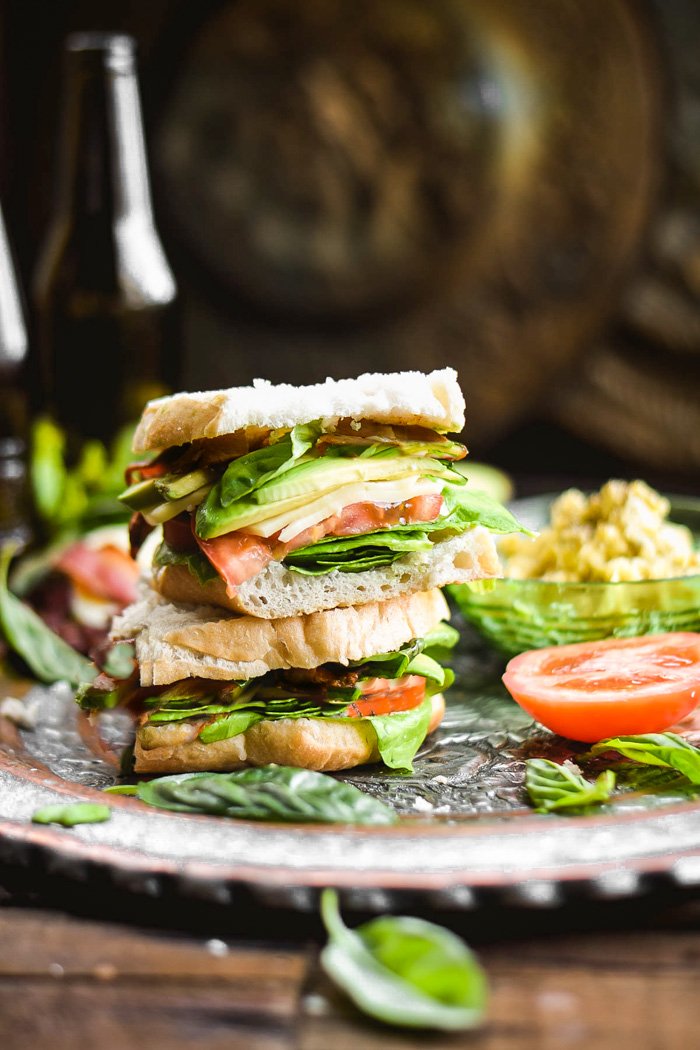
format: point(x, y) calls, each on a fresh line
point(466, 836)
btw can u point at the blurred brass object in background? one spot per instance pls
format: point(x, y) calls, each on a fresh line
point(404, 184)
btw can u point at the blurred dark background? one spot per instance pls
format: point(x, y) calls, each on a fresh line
point(510, 188)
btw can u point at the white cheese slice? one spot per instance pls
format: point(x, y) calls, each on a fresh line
point(388, 493)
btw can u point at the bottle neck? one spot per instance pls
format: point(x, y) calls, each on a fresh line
point(13, 334)
point(102, 166)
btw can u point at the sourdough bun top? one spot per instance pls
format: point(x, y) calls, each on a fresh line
point(400, 398)
point(182, 641)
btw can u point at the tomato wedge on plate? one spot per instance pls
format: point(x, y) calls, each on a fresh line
point(613, 687)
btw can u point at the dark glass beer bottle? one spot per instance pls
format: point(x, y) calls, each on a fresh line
point(103, 292)
point(14, 494)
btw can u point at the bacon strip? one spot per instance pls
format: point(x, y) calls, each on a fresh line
point(106, 572)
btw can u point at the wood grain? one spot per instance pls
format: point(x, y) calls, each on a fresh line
point(68, 982)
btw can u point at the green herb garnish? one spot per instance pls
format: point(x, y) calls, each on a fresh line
point(655, 749)
point(404, 971)
point(277, 793)
point(552, 786)
point(72, 814)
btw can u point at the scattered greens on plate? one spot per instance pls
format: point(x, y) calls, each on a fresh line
point(270, 793)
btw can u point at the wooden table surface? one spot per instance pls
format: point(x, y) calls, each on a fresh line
point(84, 970)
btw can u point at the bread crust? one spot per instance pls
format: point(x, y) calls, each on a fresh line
point(179, 641)
point(308, 743)
point(400, 398)
point(278, 591)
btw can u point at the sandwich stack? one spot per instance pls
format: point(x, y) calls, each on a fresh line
point(293, 612)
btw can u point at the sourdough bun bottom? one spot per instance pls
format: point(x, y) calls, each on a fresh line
point(308, 743)
point(279, 592)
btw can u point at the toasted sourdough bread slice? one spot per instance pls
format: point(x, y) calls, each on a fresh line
point(278, 591)
point(400, 398)
point(310, 743)
point(182, 641)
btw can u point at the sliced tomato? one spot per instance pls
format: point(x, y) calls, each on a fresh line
point(358, 518)
point(614, 687)
point(384, 696)
point(103, 572)
point(237, 557)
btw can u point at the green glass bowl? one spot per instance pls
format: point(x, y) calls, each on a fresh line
point(515, 615)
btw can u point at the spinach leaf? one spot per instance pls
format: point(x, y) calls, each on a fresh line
point(72, 814)
point(417, 657)
point(48, 656)
point(357, 553)
point(552, 786)
point(399, 735)
point(655, 749)
point(404, 971)
point(229, 725)
point(198, 565)
point(655, 780)
point(277, 793)
point(247, 473)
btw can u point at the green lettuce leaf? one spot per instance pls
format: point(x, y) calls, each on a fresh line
point(401, 734)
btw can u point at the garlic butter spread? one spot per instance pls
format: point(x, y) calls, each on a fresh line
point(619, 533)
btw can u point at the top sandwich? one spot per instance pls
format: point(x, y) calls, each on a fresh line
point(278, 500)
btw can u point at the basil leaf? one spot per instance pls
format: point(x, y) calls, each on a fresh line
point(48, 656)
point(229, 725)
point(404, 971)
point(552, 786)
point(198, 565)
point(399, 735)
point(655, 749)
point(278, 793)
point(121, 789)
point(655, 780)
point(72, 814)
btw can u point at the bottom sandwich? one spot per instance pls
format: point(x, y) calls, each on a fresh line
point(329, 690)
